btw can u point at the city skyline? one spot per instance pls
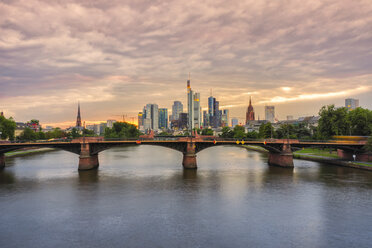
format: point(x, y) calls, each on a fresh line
point(114, 63)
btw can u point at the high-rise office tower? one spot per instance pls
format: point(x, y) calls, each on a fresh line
point(193, 107)
point(197, 111)
point(163, 118)
point(234, 122)
point(225, 118)
point(140, 119)
point(270, 113)
point(205, 119)
point(183, 120)
point(151, 120)
point(214, 112)
point(177, 109)
point(351, 103)
point(250, 112)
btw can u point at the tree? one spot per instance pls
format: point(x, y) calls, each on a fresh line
point(368, 146)
point(88, 132)
point(28, 134)
point(252, 135)
point(266, 130)
point(333, 121)
point(164, 133)
point(34, 122)
point(7, 128)
point(122, 130)
point(360, 122)
point(40, 135)
point(207, 131)
point(239, 132)
point(227, 133)
point(75, 133)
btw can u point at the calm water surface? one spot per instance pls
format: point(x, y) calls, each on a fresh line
point(141, 197)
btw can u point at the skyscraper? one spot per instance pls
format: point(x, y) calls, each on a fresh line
point(163, 118)
point(140, 119)
point(270, 113)
point(205, 119)
point(225, 118)
point(234, 122)
point(214, 112)
point(250, 112)
point(197, 111)
point(351, 103)
point(78, 118)
point(151, 119)
point(193, 107)
point(177, 108)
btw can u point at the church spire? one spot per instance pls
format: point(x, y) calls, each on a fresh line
point(78, 119)
point(250, 112)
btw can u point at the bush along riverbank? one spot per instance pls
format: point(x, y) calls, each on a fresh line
point(24, 152)
point(319, 155)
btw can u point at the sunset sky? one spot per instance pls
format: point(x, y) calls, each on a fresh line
point(116, 56)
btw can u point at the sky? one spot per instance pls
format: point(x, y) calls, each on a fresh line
point(116, 56)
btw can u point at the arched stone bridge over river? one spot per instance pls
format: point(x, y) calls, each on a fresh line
point(280, 151)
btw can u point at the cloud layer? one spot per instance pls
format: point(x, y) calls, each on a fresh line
point(116, 56)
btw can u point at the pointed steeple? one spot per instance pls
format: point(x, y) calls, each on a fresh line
point(250, 112)
point(78, 119)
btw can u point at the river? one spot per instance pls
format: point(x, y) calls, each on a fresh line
point(141, 197)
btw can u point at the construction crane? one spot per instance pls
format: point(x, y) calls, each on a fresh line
point(123, 116)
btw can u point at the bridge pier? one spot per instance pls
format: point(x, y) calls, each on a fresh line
point(347, 155)
point(189, 157)
point(2, 160)
point(283, 159)
point(87, 161)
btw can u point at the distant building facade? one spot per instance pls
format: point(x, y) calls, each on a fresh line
point(193, 108)
point(183, 121)
point(214, 112)
point(151, 117)
point(270, 113)
point(110, 123)
point(351, 103)
point(140, 120)
point(225, 118)
point(177, 109)
point(234, 122)
point(163, 118)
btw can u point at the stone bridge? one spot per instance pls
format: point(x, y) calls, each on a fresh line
point(280, 151)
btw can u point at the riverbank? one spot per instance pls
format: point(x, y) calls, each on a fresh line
point(322, 156)
point(27, 152)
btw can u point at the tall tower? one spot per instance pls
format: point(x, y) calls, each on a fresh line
point(190, 105)
point(250, 112)
point(78, 119)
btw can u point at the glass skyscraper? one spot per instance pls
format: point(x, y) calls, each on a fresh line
point(163, 118)
point(177, 109)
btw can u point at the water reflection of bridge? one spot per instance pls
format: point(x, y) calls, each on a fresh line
point(280, 151)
